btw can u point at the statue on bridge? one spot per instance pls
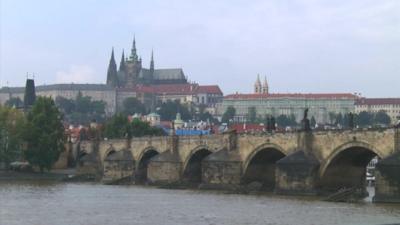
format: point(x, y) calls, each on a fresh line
point(306, 122)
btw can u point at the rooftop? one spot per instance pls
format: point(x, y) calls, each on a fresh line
point(378, 101)
point(291, 95)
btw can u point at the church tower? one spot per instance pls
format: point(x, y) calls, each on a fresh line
point(122, 63)
point(133, 66)
point(30, 94)
point(112, 78)
point(265, 88)
point(257, 85)
point(152, 63)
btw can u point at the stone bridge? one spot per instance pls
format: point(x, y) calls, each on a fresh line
point(288, 163)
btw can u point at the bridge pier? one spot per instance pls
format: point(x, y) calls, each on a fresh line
point(164, 168)
point(297, 174)
point(387, 179)
point(221, 170)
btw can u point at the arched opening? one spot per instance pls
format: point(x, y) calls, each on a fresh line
point(193, 170)
point(80, 158)
point(261, 168)
point(112, 151)
point(141, 170)
point(348, 170)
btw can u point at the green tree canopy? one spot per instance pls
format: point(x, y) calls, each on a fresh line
point(132, 105)
point(365, 118)
point(117, 127)
point(229, 114)
point(120, 127)
point(12, 122)
point(313, 122)
point(43, 134)
point(169, 109)
point(382, 117)
point(82, 109)
point(284, 120)
point(14, 102)
point(252, 114)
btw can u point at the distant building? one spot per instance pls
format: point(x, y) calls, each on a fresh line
point(389, 105)
point(151, 86)
point(70, 91)
point(275, 104)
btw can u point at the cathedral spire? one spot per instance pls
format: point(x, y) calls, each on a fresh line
point(265, 88)
point(133, 50)
point(257, 85)
point(152, 62)
point(122, 63)
point(112, 78)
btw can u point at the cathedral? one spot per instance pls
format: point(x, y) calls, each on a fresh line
point(149, 85)
point(131, 72)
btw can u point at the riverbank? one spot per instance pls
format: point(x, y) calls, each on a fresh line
point(54, 175)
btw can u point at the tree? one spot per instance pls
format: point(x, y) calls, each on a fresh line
point(229, 114)
point(140, 128)
point(82, 110)
point(117, 127)
point(252, 114)
point(12, 122)
point(382, 117)
point(284, 120)
point(133, 105)
point(313, 122)
point(332, 117)
point(169, 109)
point(44, 134)
point(339, 119)
point(120, 127)
point(67, 106)
point(365, 118)
point(14, 102)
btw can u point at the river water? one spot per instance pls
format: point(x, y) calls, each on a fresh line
point(95, 204)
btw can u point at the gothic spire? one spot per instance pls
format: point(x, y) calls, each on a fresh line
point(152, 61)
point(122, 63)
point(112, 78)
point(265, 88)
point(257, 85)
point(133, 50)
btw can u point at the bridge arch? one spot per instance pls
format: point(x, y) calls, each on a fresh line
point(259, 165)
point(143, 162)
point(346, 166)
point(109, 151)
point(192, 167)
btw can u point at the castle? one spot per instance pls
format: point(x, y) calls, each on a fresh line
point(151, 86)
point(131, 72)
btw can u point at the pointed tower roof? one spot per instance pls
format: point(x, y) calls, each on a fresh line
point(265, 84)
point(112, 71)
point(152, 61)
point(258, 81)
point(133, 50)
point(122, 63)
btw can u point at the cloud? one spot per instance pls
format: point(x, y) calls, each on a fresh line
point(76, 74)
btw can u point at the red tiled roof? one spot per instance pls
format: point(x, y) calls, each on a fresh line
point(292, 95)
point(378, 101)
point(180, 89)
point(210, 89)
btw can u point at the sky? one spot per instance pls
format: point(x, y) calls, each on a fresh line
point(301, 46)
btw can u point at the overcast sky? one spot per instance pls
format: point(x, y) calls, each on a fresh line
point(300, 45)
